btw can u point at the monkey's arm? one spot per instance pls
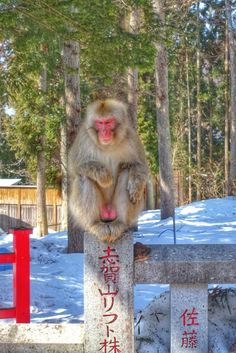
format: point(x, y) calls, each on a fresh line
point(97, 172)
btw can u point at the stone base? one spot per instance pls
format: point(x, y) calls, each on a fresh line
point(189, 318)
point(108, 295)
point(41, 338)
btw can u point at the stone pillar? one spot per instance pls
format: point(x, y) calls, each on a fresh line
point(189, 318)
point(108, 295)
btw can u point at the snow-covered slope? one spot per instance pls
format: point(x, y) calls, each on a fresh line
point(57, 277)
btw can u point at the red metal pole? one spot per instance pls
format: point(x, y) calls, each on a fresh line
point(7, 258)
point(7, 313)
point(21, 274)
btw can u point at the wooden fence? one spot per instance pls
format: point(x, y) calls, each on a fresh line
point(18, 207)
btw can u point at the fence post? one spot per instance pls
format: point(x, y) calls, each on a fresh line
point(189, 318)
point(21, 274)
point(108, 295)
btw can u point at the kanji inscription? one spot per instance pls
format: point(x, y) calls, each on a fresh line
point(189, 337)
point(110, 267)
point(108, 299)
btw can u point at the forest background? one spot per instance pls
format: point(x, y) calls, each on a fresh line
point(173, 62)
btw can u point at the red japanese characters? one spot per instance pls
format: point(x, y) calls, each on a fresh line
point(110, 267)
point(190, 324)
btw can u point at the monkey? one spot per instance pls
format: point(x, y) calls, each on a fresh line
point(107, 172)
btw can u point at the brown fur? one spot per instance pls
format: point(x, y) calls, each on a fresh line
point(113, 174)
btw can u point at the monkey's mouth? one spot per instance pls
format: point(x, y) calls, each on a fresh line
point(105, 141)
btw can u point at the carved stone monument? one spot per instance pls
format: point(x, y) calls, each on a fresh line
point(108, 293)
point(189, 318)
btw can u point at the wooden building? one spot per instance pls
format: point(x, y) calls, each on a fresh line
point(18, 207)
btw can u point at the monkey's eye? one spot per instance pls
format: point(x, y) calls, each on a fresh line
point(108, 123)
point(111, 123)
point(99, 123)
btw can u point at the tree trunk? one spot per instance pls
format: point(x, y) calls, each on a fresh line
point(71, 59)
point(134, 24)
point(163, 124)
point(64, 179)
point(227, 130)
point(210, 138)
point(199, 120)
point(189, 133)
point(210, 128)
point(42, 223)
point(232, 66)
point(132, 95)
point(150, 201)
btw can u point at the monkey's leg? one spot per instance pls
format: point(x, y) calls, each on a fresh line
point(120, 208)
point(85, 202)
point(127, 210)
point(93, 213)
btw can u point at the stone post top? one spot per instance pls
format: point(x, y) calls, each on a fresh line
point(193, 252)
point(210, 263)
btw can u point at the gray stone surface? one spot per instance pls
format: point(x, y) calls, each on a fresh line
point(189, 318)
point(109, 317)
point(40, 348)
point(41, 338)
point(188, 264)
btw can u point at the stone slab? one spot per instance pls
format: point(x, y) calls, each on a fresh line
point(108, 295)
point(40, 348)
point(42, 338)
point(211, 263)
point(189, 318)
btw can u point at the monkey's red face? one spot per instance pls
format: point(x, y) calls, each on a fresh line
point(105, 127)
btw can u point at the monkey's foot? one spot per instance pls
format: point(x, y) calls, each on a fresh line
point(117, 229)
point(108, 231)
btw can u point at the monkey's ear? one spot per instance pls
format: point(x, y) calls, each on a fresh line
point(125, 108)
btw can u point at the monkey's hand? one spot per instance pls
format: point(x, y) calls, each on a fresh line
point(124, 165)
point(97, 172)
point(136, 183)
point(104, 177)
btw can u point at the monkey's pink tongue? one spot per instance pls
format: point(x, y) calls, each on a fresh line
point(108, 212)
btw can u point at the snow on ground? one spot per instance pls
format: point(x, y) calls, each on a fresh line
point(56, 280)
point(57, 277)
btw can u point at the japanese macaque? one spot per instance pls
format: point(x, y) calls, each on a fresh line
point(108, 172)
